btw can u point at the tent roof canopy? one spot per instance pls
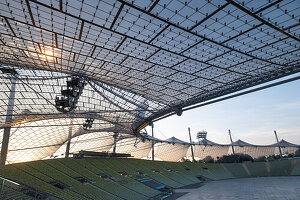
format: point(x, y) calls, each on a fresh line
point(284, 143)
point(140, 60)
point(144, 59)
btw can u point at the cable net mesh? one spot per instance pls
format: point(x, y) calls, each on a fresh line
point(141, 60)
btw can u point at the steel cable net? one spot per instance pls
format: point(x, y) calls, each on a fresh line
point(140, 59)
point(35, 93)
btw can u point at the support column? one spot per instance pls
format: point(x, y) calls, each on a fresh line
point(231, 141)
point(115, 141)
point(69, 139)
point(8, 120)
point(152, 127)
point(191, 145)
point(278, 144)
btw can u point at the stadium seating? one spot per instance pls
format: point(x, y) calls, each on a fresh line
point(280, 168)
point(12, 191)
point(296, 168)
point(111, 188)
point(38, 181)
point(170, 172)
point(236, 169)
point(200, 169)
point(113, 167)
point(218, 170)
point(257, 169)
point(116, 178)
point(67, 176)
point(183, 171)
point(147, 167)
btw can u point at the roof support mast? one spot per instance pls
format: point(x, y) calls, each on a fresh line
point(191, 145)
point(278, 144)
point(8, 120)
point(69, 139)
point(115, 136)
point(231, 141)
point(152, 127)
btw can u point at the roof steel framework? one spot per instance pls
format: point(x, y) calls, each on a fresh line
point(141, 59)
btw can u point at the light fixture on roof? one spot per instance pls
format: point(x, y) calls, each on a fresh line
point(70, 94)
point(88, 123)
point(177, 110)
point(6, 70)
point(201, 136)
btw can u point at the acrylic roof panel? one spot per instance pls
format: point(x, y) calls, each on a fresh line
point(143, 59)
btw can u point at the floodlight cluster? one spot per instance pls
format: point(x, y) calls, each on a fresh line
point(141, 60)
point(70, 94)
point(88, 123)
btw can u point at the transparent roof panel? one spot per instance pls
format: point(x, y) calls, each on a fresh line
point(140, 59)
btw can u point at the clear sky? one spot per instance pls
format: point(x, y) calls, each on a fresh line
point(252, 118)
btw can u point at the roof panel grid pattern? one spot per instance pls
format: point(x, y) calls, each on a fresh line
point(143, 58)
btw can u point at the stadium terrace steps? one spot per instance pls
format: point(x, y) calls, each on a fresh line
point(12, 192)
point(117, 185)
point(182, 175)
point(257, 169)
point(28, 169)
point(219, 171)
point(200, 169)
point(76, 170)
point(61, 174)
point(183, 172)
point(280, 168)
point(296, 168)
point(12, 172)
point(128, 186)
point(114, 178)
point(236, 170)
point(169, 172)
point(130, 175)
point(147, 167)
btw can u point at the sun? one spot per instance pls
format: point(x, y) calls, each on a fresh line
point(48, 53)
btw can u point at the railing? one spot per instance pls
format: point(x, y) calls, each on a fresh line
point(10, 189)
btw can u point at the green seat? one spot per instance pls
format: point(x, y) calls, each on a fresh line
point(296, 168)
point(200, 169)
point(147, 166)
point(257, 169)
point(37, 181)
point(183, 172)
point(123, 165)
point(280, 167)
point(65, 176)
point(218, 170)
point(236, 169)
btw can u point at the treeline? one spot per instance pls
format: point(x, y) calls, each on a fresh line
point(239, 158)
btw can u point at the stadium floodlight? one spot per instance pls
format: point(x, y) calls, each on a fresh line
point(5, 70)
point(88, 123)
point(70, 94)
point(201, 135)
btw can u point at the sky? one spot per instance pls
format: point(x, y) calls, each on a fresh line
point(252, 118)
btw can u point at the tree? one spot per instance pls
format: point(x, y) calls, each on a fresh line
point(260, 159)
point(208, 159)
point(235, 158)
point(297, 153)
